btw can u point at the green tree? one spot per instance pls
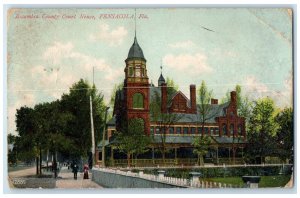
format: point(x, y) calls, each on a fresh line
point(163, 120)
point(30, 139)
point(12, 153)
point(262, 129)
point(204, 107)
point(200, 147)
point(244, 104)
point(285, 134)
point(132, 139)
point(113, 94)
point(77, 103)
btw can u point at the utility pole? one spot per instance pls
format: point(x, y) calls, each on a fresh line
point(103, 138)
point(92, 124)
point(92, 128)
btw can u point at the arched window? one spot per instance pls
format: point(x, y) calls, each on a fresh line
point(240, 129)
point(224, 129)
point(138, 101)
point(130, 71)
point(231, 129)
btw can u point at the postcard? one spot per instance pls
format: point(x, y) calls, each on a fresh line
point(187, 98)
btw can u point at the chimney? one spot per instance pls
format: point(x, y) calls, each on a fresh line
point(163, 97)
point(233, 96)
point(214, 101)
point(193, 98)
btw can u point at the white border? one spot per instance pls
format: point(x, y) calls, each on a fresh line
point(136, 3)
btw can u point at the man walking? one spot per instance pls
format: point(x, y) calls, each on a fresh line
point(75, 171)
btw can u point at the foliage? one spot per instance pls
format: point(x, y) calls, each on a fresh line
point(163, 120)
point(244, 104)
point(285, 135)
point(262, 129)
point(204, 107)
point(113, 94)
point(133, 140)
point(201, 145)
point(60, 126)
point(172, 87)
point(265, 182)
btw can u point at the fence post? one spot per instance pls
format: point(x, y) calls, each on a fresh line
point(161, 174)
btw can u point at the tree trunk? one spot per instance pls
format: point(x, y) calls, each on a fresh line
point(201, 160)
point(47, 159)
point(37, 165)
point(164, 157)
point(128, 159)
point(233, 155)
point(54, 165)
point(40, 161)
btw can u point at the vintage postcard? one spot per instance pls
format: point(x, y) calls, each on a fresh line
point(189, 98)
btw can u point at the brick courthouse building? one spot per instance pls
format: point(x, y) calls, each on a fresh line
point(225, 127)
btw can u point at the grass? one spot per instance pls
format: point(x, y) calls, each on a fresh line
point(265, 181)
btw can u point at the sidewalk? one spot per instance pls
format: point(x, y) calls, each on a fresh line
point(66, 180)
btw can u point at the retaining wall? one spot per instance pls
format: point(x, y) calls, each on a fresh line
point(115, 180)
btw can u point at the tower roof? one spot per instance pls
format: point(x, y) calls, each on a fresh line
point(136, 51)
point(161, 78)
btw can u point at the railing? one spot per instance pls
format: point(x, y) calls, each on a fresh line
point(179, 182)
point(173, 162)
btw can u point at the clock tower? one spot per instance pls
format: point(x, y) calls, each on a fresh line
point(136, 87)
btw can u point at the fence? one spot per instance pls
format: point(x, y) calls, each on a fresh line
point(115, 178)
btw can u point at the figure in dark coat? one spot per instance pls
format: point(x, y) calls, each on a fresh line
point(75, 171)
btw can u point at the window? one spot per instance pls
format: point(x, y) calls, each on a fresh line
point(157, 131)
point(143, 72)
point(138, 101)
point(193, 130)
point(130, 73)
point(200, 130)
point(178, 130)
point(231, 129)
point(152, 130)
point(185, 130)
point(211, 131)
point(224, 129)
point(216, 131)
point(171, 130)
point(206, 130)
point(240, 129)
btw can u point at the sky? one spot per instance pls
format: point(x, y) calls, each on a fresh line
point(51, 49)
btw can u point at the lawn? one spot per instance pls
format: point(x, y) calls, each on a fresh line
point(265, 182)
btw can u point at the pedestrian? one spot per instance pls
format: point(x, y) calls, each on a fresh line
point(85, 171)
point(75, 171)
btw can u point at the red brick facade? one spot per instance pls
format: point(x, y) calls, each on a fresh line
point(231, 120)
point(130, 89)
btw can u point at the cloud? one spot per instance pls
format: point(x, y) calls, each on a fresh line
point(57, 51)
point(182, 45)
point(256, 89)
point(114, 37)
point(193, 64)
point(253, 85)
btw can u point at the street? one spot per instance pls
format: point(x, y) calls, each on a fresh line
point(66, 180)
